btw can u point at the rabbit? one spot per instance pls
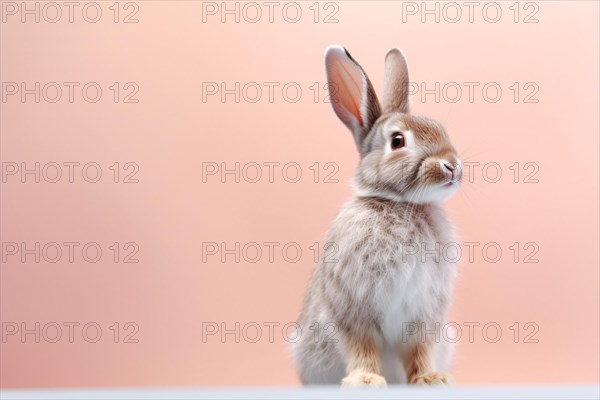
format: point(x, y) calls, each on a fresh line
point(376, 304)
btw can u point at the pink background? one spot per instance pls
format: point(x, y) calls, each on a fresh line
point(170, 132)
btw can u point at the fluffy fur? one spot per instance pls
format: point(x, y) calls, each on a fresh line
point(371, 305)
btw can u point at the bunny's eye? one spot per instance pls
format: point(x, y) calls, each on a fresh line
point(397, 141)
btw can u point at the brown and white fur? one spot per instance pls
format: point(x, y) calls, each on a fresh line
point(370, 301)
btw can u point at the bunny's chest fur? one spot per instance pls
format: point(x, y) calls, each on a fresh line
point(417, 287)
point(417, 293)
point(403, 274)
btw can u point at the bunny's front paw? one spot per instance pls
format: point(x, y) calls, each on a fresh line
point(431, 378)
point(363, 379)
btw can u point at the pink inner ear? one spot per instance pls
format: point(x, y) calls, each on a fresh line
point(346, 78)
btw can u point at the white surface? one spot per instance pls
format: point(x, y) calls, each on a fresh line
point(398, 392)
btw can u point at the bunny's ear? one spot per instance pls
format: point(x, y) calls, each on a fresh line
point(395, 83)
point(352, 95)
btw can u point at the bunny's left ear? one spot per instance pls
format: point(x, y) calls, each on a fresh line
point(352, 95)
point(395, 83)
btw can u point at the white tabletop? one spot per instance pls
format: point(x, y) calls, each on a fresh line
point(392, 392)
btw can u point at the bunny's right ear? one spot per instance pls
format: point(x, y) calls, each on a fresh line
point(351, 92)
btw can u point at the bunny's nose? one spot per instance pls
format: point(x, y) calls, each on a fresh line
point(449, 167)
